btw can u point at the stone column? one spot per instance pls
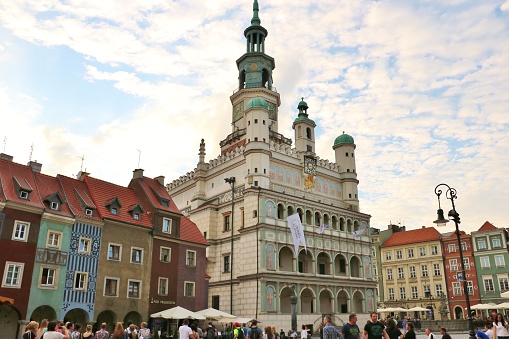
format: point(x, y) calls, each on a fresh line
point(22, 327)
point(293, 301)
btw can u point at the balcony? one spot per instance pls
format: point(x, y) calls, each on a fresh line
point(233, 137)
point(256, 85)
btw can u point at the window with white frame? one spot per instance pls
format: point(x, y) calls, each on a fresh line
point(436, 269)
point(188, 289)
point(167, 225)
point(434, 250)
point(466, 264)
point(84, 245)
point(13, 274)
point(402, 293)
point(48, 277)
point(481, 244)
point(452, 248)
point(24, 195)
point(54, 205)
point(426, 289)
point(424, 270)
point(190, 258)
point(485, 262)
point(489, 287)
point(463, 246)
point(495, 242)
point(399, 255)
point(453, 264)
point(165, 254)
point(391, 293)
point(422, 251)
point(80, 281)
point(415, 295)
point(470, 288)
point(134, 289)
point(410, 252)
point(503, 283)
point(401, 274)
point(438, 289)
point(114, 252)
point(162, 286)
point(412, 272)
point(389, 274)
point(111, 287)
point(456, 288)
point(388, 255)
point(53, 240)
point(136, 255)
point(20, 231)
point(499, 261)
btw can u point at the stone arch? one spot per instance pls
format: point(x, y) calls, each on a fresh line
point(280, 211)
point(133, 316)
point(309, 135)
point(43, 312)
point(77, 315)
point(458, 312)
point(309, 218)
point(318, 219)
point(286, 262)
point(109, 317)
point(334, 222)
point(9, 316)
point(289, 210)
point(299, 212)
point(357, 302)
point(349, 225)
point(307, 301)
point(355, 267)
point(326, 301)
point(340, 265)
point(323, 263)
point(356, 225)
point(326, 219)
point(285, 304)
point(305, 262)
point(342, 224)
point(343, 300)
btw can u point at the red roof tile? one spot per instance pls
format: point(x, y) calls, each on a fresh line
point(48, 186)
point(156, 192)
point(11, 172)
point(102, 193)
point(190, 232)
point(412, 236)
point(487, 226)
point(78, 197)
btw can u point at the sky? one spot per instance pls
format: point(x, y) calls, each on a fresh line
point(422, 86)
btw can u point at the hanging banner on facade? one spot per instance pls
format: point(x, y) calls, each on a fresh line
point(297, 231)
point(322, 228)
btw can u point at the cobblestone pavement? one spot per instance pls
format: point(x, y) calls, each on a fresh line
point(439, 336)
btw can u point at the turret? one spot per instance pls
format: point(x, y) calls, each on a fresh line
point(344, 147)
point(304, 130)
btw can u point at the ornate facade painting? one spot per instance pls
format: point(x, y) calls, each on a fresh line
point(269, 209)
point(271, 298)
point(270, 257)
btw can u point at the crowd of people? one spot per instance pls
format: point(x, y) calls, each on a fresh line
point(60, 330)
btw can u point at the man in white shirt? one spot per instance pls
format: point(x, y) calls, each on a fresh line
point(185, 331)
point(430, 334)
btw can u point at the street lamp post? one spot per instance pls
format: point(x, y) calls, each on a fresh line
point(450, 194)
point(231, 181)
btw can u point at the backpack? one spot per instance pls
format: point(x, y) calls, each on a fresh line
point(254, 333)
point(240, 334)
point(211, 332)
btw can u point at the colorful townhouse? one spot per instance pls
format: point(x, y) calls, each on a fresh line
point(178, 246)
point(22, 208)
point(492, 262)
point(453, 273)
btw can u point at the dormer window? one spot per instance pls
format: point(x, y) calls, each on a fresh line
point(54, 206)
point(136, 216)
point(165, 202)
point(54, 201)
point(114, 211)
point(89, 212)
point(24, 195)
point(135, 211)
point(113, 205)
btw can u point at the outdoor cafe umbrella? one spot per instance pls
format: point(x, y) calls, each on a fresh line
point(482, 307)
point(381, 310)
point(212, 313)
point(502, 306)
point(505, 294)
point(417, 309)
point(177, 313)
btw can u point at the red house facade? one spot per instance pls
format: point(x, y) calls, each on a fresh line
point(452, 265)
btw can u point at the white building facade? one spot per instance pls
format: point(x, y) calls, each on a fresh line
point(270, 180)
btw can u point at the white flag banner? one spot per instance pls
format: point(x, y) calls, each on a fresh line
point(322, 228)
point(358, 233)
point(297, 231)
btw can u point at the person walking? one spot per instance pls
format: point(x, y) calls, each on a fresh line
point(429, 334)
point(254, 332)
point(185, 332)
point(374, 329)
point(52, 331)
point(329, 331)
point(393, 331)
point(351, 330)
point(444, 333)
point(410, 333)
point(102, 333)
point(31, 332)
point(500, 327)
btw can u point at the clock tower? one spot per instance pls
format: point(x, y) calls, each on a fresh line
point(255, 81)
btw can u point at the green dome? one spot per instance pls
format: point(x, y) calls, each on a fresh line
point(257, 103)
point(343, 139)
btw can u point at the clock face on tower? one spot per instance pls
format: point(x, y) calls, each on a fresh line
point(238, 111)
point(310, 165)
point(272, 110)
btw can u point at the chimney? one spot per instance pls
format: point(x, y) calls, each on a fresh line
point(82, 175)
point(36, 167)
point(160, 179)
point(138, 173)
point(6, 157)
point(423, 226)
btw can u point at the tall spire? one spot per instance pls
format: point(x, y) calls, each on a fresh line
point(255, 21)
